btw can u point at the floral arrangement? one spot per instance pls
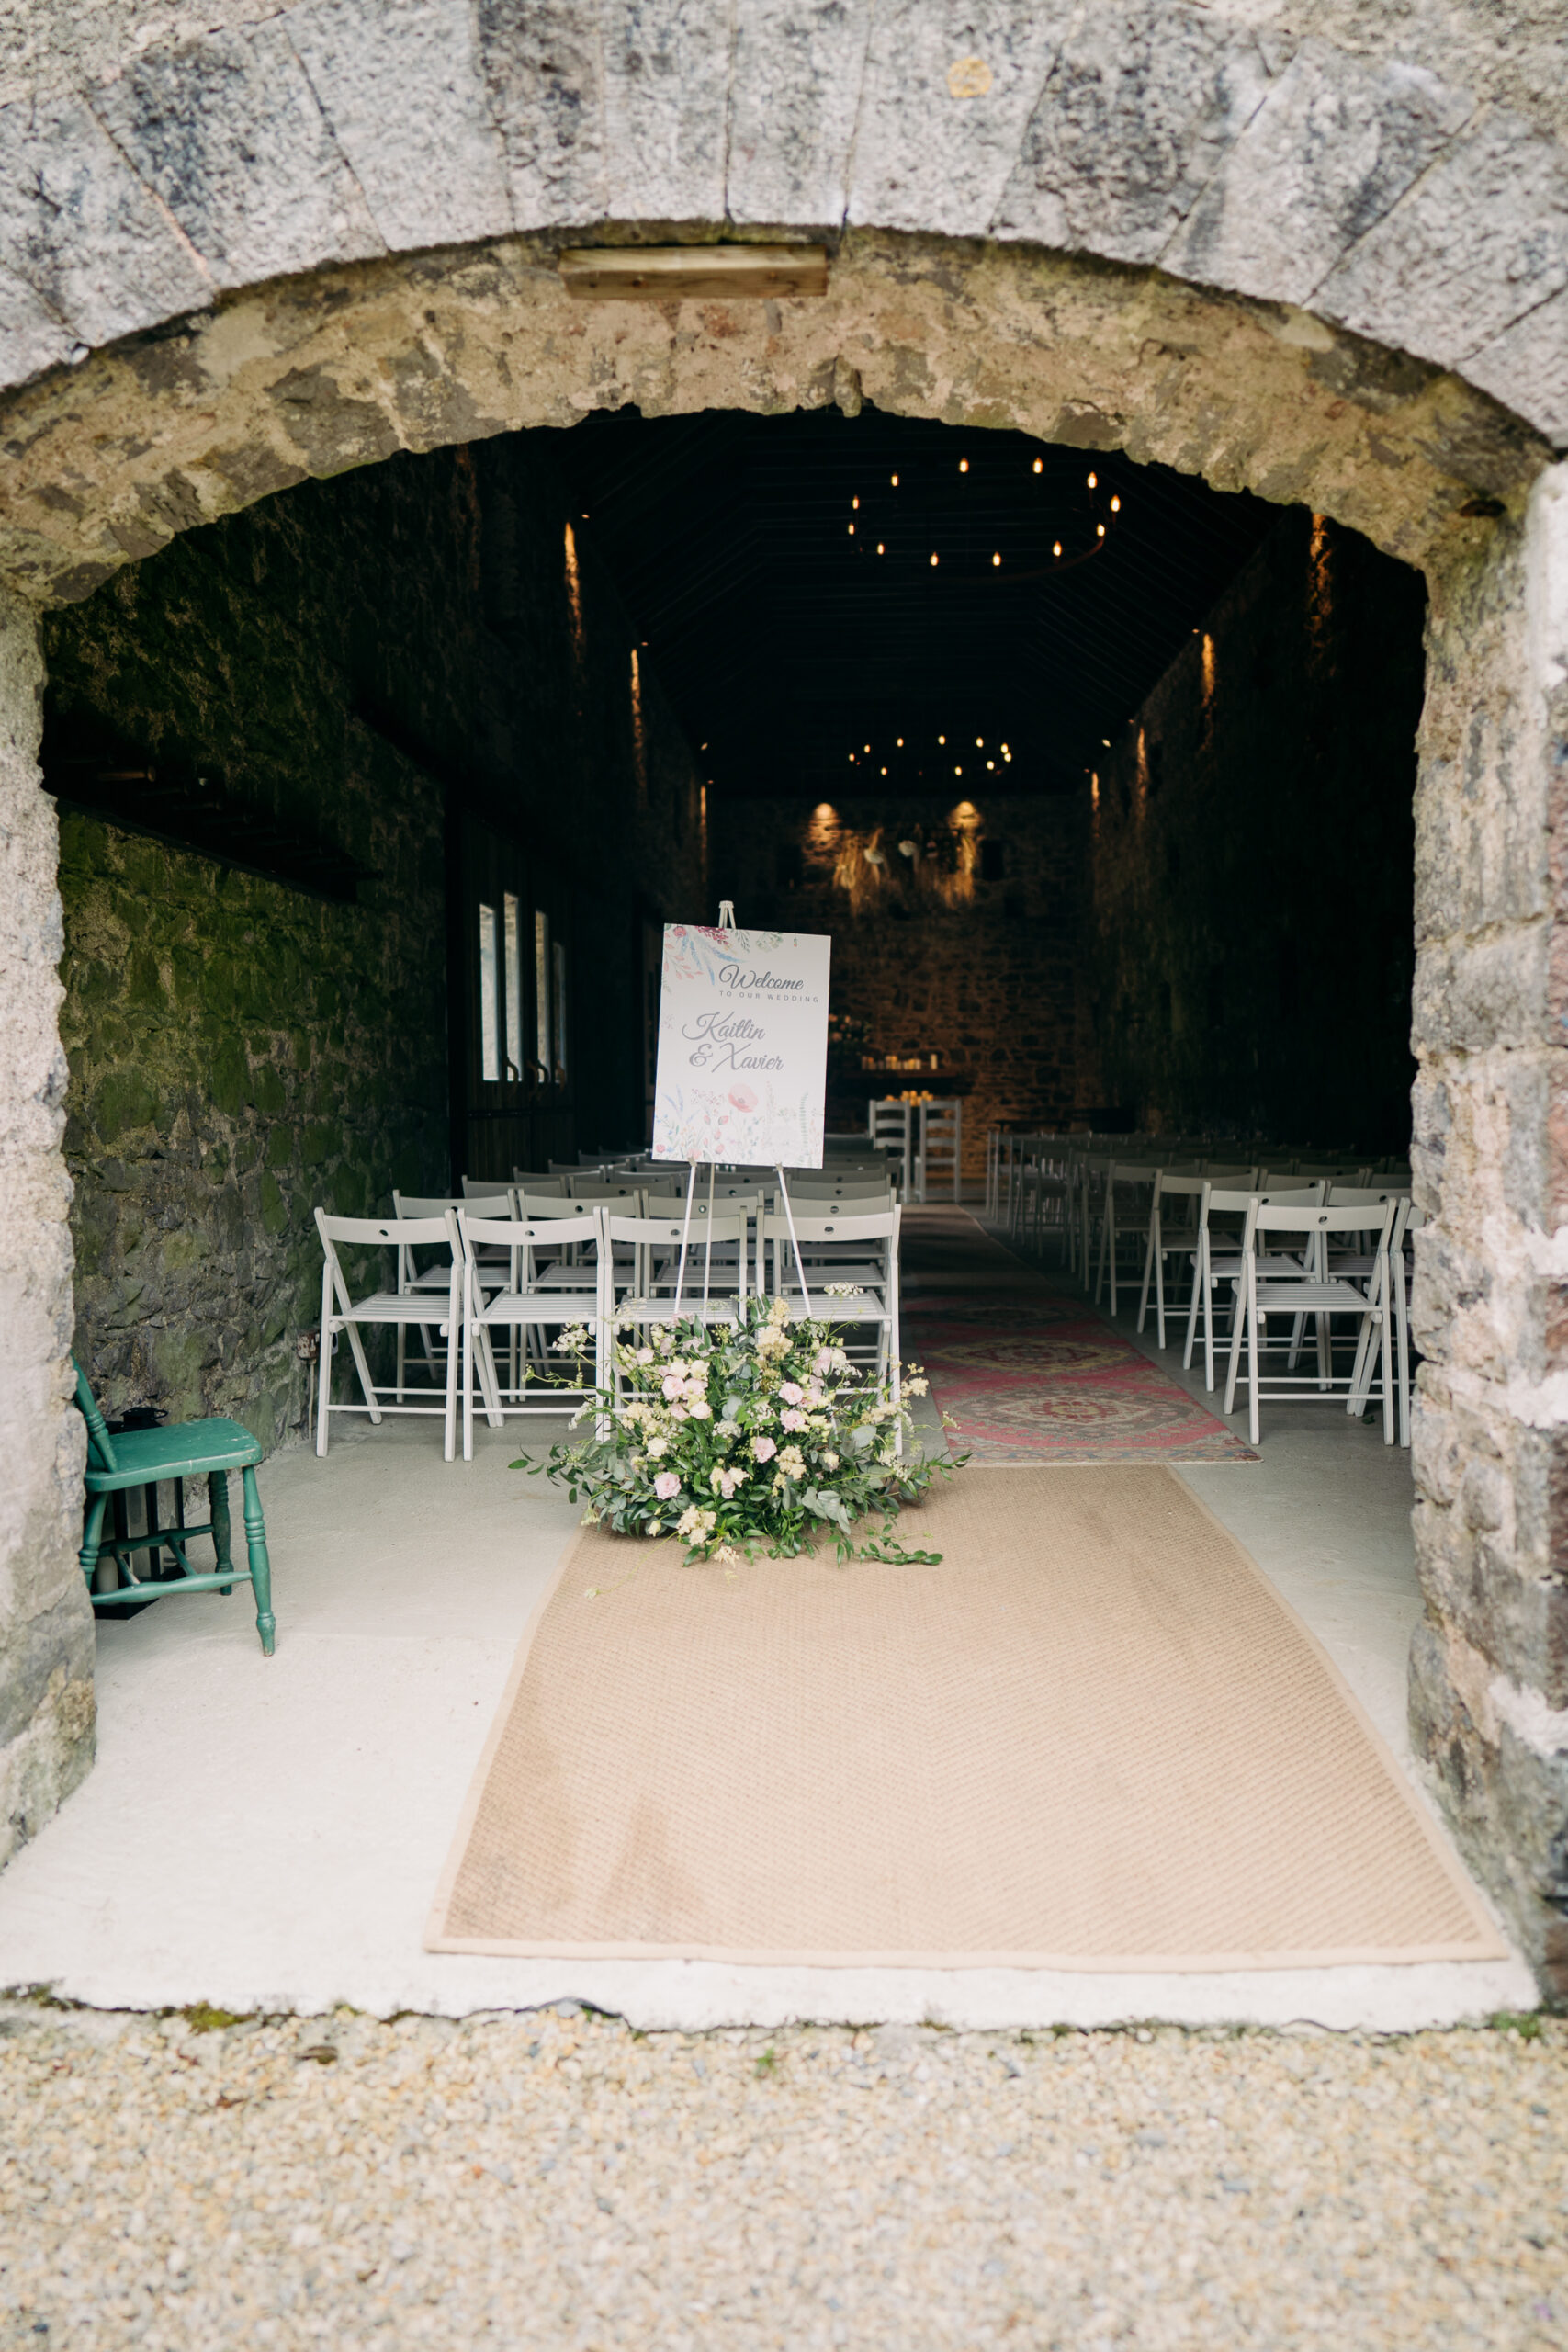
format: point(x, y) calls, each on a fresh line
point(755, 1433)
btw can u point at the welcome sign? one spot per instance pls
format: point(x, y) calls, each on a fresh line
point(742, 1047)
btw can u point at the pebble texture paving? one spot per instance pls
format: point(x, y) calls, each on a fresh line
point(555, 2179)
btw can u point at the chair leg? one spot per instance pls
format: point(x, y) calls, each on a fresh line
point(92, 1537)
point(261, 1566)
point(1402, 1327)
point(218, 1500)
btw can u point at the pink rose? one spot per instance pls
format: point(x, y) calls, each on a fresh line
point(763, 1449)
point(794, 1419)
point(791, 1391)
point(672, 1383)
point(667, 1486)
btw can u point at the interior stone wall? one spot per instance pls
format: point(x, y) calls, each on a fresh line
point(967, 949)
point(346, 656)
point(1249, 951)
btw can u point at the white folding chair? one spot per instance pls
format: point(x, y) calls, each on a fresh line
point(1167, 1239)
point(380, 1308)
point(717, 1272)
point(892, 1127)
point(862, 1250)
point(1293, 1285)
point(412, 1278)
point(527, 1311)
point(1210, 1271)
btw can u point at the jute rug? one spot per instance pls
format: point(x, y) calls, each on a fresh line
point(1093, 1738)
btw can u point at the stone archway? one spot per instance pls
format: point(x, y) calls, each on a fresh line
point(289, 302)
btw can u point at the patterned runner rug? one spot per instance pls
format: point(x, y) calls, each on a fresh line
point(1028, 1371)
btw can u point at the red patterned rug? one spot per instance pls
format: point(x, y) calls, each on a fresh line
point(1039, 1377)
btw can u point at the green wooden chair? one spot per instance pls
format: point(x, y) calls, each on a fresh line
point(207, 1450)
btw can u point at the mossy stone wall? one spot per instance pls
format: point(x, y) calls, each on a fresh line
point(345, 658)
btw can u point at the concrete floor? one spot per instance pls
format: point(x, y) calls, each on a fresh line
point(267, 1834)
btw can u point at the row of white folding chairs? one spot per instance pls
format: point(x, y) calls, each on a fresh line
point(476, 1302)
point(1368, 1274)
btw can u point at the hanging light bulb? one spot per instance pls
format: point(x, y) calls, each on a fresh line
point(1099, 529)
point(855, 503)
point(962, 465)
point(941, 738)
point(852, 530)
point(1094, 481)
point(996, 560)
point(900, 742)
point(1038, 465)
point(1056, 549)
point(1116, 506)
point(868, 750)
point(894, 479)
point(933, 560)
point(880, 549)
point(885, 771)
point(1006, 754)
point(990, 764)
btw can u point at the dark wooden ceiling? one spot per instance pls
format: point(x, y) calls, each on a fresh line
point(788, 644)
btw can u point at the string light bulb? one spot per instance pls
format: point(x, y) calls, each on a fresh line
point(1056, 549)
point(855, 503)
point(1094, 481)
point(1100, 531)
point(962, 465)
point(852, 530)
point(880, 549)
point(1116, 506)
point(1038, 465)
point(900, 742)
point(990, 764)
point(894, 479)
point(1005, 754)
point(933, 560)
point(996, 560)
point(941, 738)
point(980, 742)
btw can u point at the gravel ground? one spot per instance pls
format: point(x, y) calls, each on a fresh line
point(555, 2179)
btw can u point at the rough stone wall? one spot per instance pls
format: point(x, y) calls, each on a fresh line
point(1249, 952)
point(930, 955)
point(45, 1629)
point(1489, 1668)
point(346, 656)
point(1401, 172)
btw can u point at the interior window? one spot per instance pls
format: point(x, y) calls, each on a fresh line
point(514, 989)
point(542, 990)
point(489, 1025)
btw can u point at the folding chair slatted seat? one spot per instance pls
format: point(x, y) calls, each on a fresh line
point(209, 1450)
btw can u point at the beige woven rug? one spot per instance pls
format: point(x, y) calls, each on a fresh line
point(1093, 1738)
